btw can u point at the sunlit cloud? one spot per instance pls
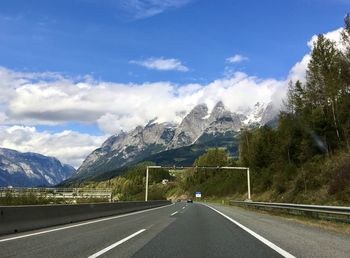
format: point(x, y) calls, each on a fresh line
point(236, 59)
point(161, 64)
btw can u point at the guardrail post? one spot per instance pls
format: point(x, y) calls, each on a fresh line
point(248, 179)
point(146, 194)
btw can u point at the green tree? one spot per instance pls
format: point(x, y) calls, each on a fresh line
point(324, 82)
point(213, 158)
point(295, 98)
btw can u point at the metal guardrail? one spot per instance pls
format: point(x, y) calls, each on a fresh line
point(335, 213)
point(70, 193)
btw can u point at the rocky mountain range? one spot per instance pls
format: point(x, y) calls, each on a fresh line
point(127, 148)
point(31, 169)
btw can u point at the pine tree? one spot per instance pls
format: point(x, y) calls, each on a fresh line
point(324, 82)
point(295, 98)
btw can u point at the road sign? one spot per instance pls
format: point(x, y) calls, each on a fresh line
point(198, 194)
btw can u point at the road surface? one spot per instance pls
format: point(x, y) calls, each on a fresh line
point(177, 230)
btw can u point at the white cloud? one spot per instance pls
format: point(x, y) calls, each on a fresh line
point(236, 59)
point(161, 64)
point(49, 98)
point(140, 9)
point(116, 107)
point(298, 71)
point(332, 35)
point(68, 146)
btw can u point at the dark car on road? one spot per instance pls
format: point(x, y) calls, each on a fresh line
point(189, 200)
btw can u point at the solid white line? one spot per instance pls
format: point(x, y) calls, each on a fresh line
point(115, 244)
point(82, 224)
point(173, 213)
point(256, 235)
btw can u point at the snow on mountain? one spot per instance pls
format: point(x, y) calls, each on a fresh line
point(221, 120)
point(261, 114)
point(31, 169)
point(254, 115)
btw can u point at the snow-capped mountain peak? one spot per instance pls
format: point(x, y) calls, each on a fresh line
point(129, 147)
point(255, 114)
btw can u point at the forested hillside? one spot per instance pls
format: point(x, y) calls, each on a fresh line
point(307, 157)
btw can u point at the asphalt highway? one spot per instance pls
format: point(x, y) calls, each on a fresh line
point(177, 230)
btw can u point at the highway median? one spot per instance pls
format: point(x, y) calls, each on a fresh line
point(29, 217)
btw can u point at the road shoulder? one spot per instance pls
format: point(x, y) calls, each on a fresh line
point(299, 239)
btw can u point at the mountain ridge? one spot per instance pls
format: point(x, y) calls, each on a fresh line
point(145, 141)
point(29, 169)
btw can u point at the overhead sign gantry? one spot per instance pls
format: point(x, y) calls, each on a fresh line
point(182, 168)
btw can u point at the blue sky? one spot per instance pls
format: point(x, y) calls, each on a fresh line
point(100, 37)
point(90, 68)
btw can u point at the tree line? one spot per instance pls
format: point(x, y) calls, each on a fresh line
point(310, 147)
